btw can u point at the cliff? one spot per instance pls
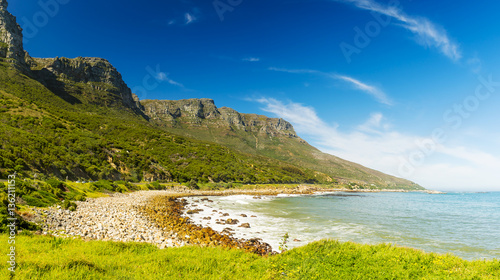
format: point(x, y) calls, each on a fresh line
point(11, 39)
point(203, 113)
point(94, 80)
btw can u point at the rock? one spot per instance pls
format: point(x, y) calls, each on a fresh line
point(245, 225)
point(107, 218)
point(198, 111)
point(243, 215)
point(296, 240)
point(11, 40)
point(96, 73)
point(232, 221)
point(195, 211)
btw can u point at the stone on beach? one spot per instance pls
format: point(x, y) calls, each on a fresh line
point(106, 218)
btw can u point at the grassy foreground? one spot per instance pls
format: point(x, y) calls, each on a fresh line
point(41, 257)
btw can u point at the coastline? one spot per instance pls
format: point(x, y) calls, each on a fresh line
point(119, 217)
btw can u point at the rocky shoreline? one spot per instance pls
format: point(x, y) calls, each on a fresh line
point(118, 217)
point(141, 217)
point(106, 218)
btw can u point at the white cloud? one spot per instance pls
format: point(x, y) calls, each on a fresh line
point(251, 59)
point(189, 18)
point(374, 123)
point(164, 77)
point(475, 64)
point(377, 145)
point(428, 33)
point(371, 90)
point(296, 71)
point(379, 95)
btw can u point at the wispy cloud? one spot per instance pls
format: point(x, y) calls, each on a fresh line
point(378, 94)
point(428, 33)
point(371, 90)
point(189, 18)
point(162, 76)
point(376, 144)
point(374, 124)
point(295, 71)
point(251, 59)
point(475, 64)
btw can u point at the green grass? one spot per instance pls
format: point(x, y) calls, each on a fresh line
point(41, 257)
point(50, 258)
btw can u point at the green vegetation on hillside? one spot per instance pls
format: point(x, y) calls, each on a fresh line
point(41, 132)
point(42, 257)
point(284, 148)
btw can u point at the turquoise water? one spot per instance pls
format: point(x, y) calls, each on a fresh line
point(464, 224)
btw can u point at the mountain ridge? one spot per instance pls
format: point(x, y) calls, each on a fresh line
point(257, 134)
point(88, 97)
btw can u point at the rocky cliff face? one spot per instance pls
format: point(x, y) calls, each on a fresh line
point(11, 39)
point(96, 74)
point(203, 112)
point(97, 78)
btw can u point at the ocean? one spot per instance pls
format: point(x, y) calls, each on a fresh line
point(464, 224)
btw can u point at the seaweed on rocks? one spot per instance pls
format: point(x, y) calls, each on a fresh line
point(166, 212)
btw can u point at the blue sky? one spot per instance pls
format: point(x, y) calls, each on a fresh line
point(405, 87)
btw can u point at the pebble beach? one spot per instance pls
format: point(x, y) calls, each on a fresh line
point(116, 217)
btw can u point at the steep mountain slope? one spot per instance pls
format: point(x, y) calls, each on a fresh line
point(42, 132)
point(259, 135)
point(77, 118)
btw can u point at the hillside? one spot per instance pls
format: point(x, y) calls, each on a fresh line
point(258, 135)
point(77, 119)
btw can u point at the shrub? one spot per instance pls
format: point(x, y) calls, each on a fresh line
point(80, 197)
point(54, 183)
point(103, 185)
point(69, 205)
point(193, 185)
point(156, 185)
point(121, 189)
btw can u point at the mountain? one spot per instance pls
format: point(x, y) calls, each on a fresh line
point(77, 118)
point(258, 135)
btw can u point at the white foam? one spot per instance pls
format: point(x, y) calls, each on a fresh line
point(288, 195)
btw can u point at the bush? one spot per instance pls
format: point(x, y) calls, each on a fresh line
point(80, 197)
point(121, 189)
point(156, 185)
point(103, 185)
point(54, 183)
point(193, 185)
point(69, 205)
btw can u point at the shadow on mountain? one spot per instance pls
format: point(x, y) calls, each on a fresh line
point(49, 80)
